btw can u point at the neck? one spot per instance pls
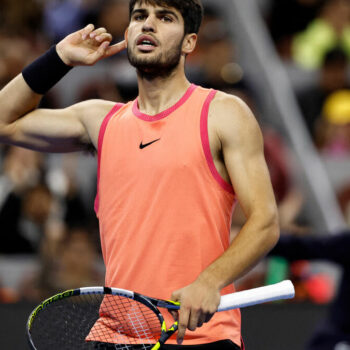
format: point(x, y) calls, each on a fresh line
point(160, 93)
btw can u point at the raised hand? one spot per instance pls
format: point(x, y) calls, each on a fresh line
point(87, 46)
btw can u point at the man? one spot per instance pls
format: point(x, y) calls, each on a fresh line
point(168, 163)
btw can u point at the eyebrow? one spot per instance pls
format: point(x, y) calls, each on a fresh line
point(158, 12)
point(167, 12)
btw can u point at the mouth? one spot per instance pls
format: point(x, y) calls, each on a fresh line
point(146, 43)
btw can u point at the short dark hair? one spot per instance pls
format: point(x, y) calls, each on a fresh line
point(191, 11)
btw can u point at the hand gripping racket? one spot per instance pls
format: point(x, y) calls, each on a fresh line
point(111, 318)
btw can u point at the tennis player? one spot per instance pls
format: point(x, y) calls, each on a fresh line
point(171, 165)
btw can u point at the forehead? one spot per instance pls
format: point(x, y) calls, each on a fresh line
point(155, 6)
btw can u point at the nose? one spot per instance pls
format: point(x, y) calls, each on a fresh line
point(149, 25)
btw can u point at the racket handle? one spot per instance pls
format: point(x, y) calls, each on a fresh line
point(277, 291)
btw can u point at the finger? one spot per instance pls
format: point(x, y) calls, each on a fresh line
point(116, 48)
point(97, 32)
point(104, 37)
point(176, 295)
point(86, 31)
point(175, 314)
point(101, 52)
point(98, 54)
point(201, 320)
point(194, 319)
point(183, 323)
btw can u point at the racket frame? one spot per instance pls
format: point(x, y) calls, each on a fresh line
point(151, 303)
point(277, 291)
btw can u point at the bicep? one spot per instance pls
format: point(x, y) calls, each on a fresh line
point(250, 178)
point(61, 130)
point(49, 131)
point(243, 152)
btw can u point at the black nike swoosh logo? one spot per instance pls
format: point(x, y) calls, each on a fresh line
point(147, 144)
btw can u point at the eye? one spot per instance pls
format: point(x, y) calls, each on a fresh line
point(139, 17)
point(166, 18)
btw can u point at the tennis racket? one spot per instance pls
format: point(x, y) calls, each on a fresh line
point(111, 318)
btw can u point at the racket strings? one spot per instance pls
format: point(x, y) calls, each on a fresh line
point(95, 322)
point(124, 320)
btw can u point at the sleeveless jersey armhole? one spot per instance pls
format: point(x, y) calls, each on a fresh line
point(206, 146)
point(102, 131)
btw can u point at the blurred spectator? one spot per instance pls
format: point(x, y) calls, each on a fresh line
point(333, 130)
point(287, 18)
point(33, 199)
point(22, 171)
point(333, 77)
point(37, 205)
point(344, 201)
point(15, 53)
point(334, 331)
point(105, 89)
point(329, 30)
point(8, 295)
point(74, 264)
point(20, 17)
point(72, 179)
point(213, 63)
point(62, 17)
point(109, 11)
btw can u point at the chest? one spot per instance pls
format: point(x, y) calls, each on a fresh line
point(175, 144)
point(134, 147)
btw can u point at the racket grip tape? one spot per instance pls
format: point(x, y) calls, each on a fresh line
point(277, 291)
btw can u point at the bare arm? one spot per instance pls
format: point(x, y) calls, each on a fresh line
point(63, 130)
point(242, 149)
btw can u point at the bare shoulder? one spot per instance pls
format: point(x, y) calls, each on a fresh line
point(91, 114)
point(232, 119)
point(93, 109)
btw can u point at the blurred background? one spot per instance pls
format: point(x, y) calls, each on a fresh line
point(289, 61)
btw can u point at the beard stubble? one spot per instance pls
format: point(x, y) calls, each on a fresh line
point(159, 66)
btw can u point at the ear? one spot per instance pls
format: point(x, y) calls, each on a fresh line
point(126, 36)
point(189, 43)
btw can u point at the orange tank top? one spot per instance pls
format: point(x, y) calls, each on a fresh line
point(164, 211)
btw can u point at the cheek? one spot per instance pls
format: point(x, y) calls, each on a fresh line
point(130, 33)
point(173, 39)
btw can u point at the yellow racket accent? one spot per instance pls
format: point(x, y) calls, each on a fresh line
point(173, 302)
point(167, 334)
point(156, 347)
point(172, 328)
